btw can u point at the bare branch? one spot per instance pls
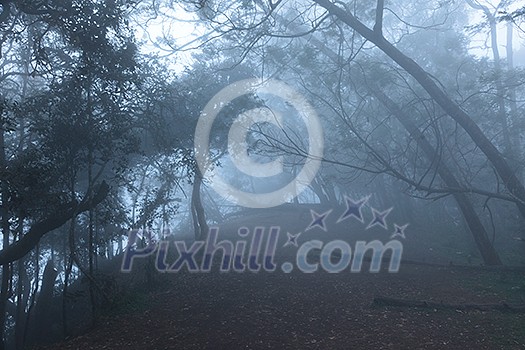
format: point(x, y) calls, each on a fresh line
point(378, 27)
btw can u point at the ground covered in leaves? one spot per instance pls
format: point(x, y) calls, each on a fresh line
point(316, 311)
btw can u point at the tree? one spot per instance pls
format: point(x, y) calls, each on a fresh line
point(71, 120)
point(375, 35)
point(263, 27)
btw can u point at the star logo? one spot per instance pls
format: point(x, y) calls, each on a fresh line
point(379, 218)
point(399, 231)
point(354, 209)
point(318, 220)
point(292, 239)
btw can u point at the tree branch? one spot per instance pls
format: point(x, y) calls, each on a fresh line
point(54, 221)
point(378, 27)
point(449, 106)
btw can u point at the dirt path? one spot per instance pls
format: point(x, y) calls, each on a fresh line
point(317, 311)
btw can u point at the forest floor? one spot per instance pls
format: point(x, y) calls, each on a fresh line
point(316, 311)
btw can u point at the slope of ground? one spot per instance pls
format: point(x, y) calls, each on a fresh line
point(317, 311)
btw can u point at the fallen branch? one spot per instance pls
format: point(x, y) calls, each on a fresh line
point(503, 307)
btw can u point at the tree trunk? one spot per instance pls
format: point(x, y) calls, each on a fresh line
point(507, 175)
point(22, 295)
point(30, 240)
point(34, 292)
point(43, 305)
point(68, 268)
point(198, 213)
point(91, 248)
point(318, 190)
point(481, 237)
point(516, 121)
point(500, 90)
point(6, 268)
point(477, 229)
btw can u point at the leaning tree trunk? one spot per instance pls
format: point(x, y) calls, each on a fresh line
point(481, 237)
point(505, 172)
point(487, 251)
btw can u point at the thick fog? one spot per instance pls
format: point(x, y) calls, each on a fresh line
point(262, 174)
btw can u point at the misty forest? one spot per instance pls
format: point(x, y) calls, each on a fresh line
point(262, 174)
